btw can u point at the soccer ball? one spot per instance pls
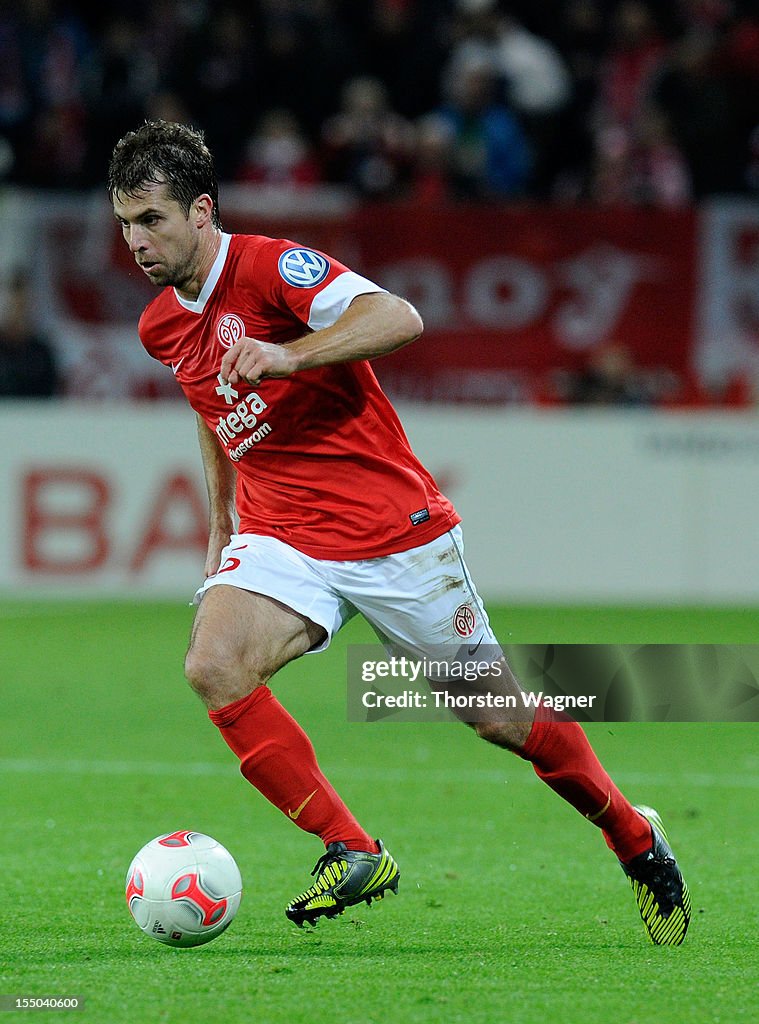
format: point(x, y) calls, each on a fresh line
point(183, 888)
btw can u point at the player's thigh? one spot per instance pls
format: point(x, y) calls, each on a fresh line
point(241, 634)
point(267, 567)
point(424, 599)
point(424, 603)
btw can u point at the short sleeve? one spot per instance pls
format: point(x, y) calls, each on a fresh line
point(314, 286)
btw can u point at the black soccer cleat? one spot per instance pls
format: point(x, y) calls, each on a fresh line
point(660, 891)
point(343, 879)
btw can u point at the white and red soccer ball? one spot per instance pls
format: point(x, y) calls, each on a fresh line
point(183, 888)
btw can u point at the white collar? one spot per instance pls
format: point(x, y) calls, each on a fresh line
point(210, 282)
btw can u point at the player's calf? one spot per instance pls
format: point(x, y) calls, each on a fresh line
point(506, 726)
point(510, 735)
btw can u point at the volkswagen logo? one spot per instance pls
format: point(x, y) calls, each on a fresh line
point(303, 268)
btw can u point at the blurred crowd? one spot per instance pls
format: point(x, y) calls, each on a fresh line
point(607, 101)
point(28, 367)
point(602, 101)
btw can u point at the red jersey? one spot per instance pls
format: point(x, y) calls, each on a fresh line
point(322, 461)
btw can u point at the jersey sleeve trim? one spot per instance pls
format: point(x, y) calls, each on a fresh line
point(332, 301)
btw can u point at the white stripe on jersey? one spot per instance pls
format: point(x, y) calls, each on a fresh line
point(332, 301)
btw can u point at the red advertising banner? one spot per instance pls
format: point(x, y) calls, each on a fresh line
point(512, 298)
point(509, 296)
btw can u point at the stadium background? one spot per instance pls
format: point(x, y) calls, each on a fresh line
point(569, 193)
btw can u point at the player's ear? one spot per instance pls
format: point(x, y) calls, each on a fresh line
point(202, 210)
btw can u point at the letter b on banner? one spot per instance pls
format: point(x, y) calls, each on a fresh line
point(64, 521)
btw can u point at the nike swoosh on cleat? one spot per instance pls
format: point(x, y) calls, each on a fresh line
point(296, 813)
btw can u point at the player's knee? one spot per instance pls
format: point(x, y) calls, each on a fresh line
point(199, 671)
point(214, 676)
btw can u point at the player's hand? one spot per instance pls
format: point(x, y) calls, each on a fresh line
point(249, 360)
point(217, 541)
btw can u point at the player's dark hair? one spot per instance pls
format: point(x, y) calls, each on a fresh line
point(164, 152)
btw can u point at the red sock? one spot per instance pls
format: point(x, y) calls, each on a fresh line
point(563, 758)
point(277, 758)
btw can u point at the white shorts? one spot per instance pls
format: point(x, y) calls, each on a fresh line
point(419, 601)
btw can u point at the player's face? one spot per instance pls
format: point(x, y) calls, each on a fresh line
point(164, 241)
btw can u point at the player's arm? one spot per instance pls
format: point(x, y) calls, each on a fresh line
point(221, 478)
point(372, 325)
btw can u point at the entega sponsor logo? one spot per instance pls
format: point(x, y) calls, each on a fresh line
point(237, 453)
point(243, 417)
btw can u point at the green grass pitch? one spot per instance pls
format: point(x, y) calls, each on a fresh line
point(510, 907)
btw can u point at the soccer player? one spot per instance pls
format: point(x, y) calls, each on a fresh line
point(269, 341)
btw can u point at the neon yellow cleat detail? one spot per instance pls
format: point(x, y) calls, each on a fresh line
point(344, 878)
point(660, 891)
